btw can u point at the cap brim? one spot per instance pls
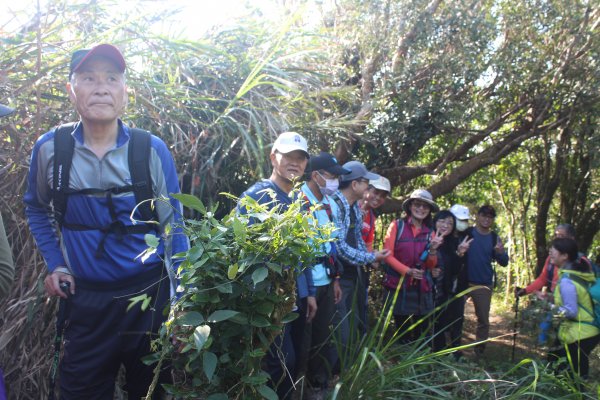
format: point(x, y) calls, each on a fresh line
point(370, 176)
point(4, 110)
point(105, 50)
point(284, 149)
point(337, 170)
point(380, 187)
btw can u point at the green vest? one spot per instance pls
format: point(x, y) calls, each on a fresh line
point(579, 328)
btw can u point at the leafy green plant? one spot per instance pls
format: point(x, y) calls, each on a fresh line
point(237, 289)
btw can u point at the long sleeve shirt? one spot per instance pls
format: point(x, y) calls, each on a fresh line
point(77, 249)
point(568, 293)
point(358, 255)
point(480, 255)
point(542, 279)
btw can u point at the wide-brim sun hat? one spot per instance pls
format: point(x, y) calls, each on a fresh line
point(423, 195)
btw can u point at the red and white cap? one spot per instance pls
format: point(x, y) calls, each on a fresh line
point(105, 50)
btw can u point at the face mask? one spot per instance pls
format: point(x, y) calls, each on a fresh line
point(331, 185)
point(462, 225)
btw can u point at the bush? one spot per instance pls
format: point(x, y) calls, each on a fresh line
point(237, 289)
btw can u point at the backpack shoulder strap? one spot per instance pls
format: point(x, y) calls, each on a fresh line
point(340, 205)
point(139, 168)
point(64, 145)
point(399, 230)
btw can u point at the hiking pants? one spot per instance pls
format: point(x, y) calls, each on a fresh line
point(482, 300)
point(579, 353)
point(322, 351)
point(448, 320)
point(101, 334)
point(280, 363)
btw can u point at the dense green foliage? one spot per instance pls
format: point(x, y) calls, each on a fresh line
point(237, 289)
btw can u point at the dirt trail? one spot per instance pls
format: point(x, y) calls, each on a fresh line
point(498, 352)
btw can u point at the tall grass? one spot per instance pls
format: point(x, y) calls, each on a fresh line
point(380, 367)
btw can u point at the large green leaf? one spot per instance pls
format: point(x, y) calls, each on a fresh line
point(192, 318)
point(190, 201)
point(209, 363)
point(267, 393)
point(221, 315)
point(259, 275)
point(201, 334)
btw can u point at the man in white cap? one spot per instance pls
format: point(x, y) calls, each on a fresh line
point(289, 158)
point(352, 250)
point(90, 243)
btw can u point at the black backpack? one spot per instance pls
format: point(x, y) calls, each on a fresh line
point(141, 182)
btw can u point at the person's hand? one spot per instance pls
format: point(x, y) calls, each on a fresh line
point(415, 273)
point(463, 246)
point(381, 254)
point(52, 284)
point(520, 292)
point(436, 272)
point(337, 291)
point(311, 308)
point(499, 248)
point(436, 241)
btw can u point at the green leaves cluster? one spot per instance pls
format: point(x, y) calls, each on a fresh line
point(237, 289)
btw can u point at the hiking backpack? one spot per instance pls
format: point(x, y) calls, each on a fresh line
point(593, 290)
point(141, 182)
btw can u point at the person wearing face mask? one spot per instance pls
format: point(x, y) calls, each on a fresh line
point(461, 213)
point(449, 318)
point(315, 354)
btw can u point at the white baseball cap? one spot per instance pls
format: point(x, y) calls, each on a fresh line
point(460, 211)
point(288, 142)
point(382, 184)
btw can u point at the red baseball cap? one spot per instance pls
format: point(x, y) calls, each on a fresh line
point(105, 50)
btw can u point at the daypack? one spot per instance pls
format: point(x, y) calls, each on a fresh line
point(141, 183)
point(593, 289)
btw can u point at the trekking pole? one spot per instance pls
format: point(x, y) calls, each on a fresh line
point(515, 325)
point(61, 317)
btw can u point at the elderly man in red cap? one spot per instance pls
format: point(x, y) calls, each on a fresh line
point(85, 180)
